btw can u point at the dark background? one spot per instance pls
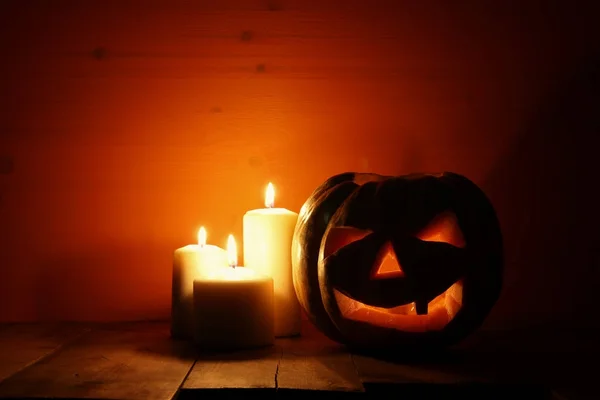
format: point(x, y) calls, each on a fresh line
point(125, 125)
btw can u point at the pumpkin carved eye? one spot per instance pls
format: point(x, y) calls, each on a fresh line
point(386, 263)
point(443, 228)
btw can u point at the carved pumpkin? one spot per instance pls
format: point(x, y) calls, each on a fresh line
point(384, 262)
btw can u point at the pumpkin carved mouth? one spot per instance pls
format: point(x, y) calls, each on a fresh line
point(440, 310)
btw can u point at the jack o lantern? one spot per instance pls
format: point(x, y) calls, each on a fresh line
point(392, 262)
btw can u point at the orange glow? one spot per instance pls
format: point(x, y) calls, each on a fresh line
point(340, 237)
point(207, 130)
point(231, 251)
point(202, 237)
point(389, 266)
point(230, 274)
point(387, 263)
point(443, 228)
point(441, 310)
point(270, 196)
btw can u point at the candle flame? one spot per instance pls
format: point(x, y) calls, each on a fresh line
point(202, 237)
point(231, 251)
point(270, 196)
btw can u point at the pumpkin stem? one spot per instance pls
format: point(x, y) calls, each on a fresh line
point(421, 306)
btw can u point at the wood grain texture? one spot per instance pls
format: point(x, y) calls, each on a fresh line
point(313, 362)
point(372, 370)
point(139, 361)
point(308, 362)
point(22, 345)
point(134, 361)
point(251, 369)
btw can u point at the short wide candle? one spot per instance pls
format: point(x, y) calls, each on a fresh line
point(268, 236)
point(233, 309)
point(188, 263)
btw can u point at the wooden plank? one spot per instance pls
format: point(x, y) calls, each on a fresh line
point(547, 355)
point(450, 374)
point(475, 361)
point(373, 370)
point(460, 391)
point(250, 369)
point(172, 27)
point(133, 361)
point(22, 345)
point(195, 41)
point(498, 363)
point(313, 362)
point(309, 362)
point(460, 367)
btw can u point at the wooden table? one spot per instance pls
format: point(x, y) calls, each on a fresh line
point(140, 361)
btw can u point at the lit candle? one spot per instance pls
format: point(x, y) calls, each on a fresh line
point(268, 236)
point(233, 307)
point(189, 262)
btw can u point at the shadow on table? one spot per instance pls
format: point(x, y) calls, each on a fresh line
point(486, 391)
point(378, 391)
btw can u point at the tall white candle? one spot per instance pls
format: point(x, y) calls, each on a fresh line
point(233, 307)
point(268, 236)
point(189, 262)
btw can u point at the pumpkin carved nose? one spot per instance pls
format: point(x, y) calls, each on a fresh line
point(387, 264)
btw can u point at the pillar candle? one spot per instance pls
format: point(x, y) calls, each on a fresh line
point(233, 307)
point(189, 262)
point(268, 236)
